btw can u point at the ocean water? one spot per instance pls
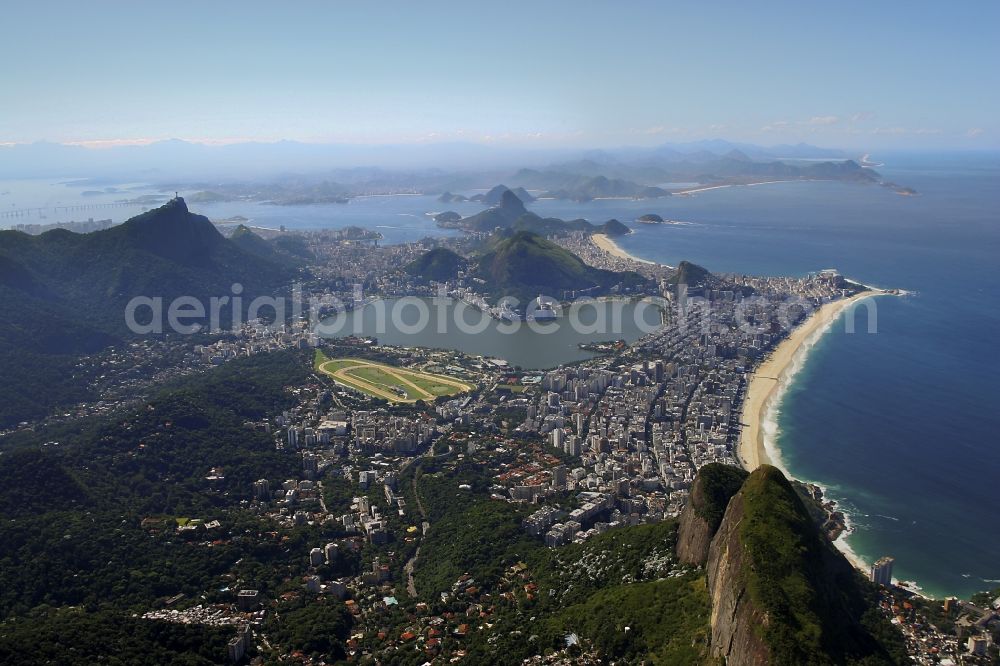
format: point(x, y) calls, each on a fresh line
point(902, 425)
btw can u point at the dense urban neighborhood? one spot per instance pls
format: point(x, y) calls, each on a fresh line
point(412, 504)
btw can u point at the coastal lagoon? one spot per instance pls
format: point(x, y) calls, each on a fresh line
point(456, 325)
point(900, 426)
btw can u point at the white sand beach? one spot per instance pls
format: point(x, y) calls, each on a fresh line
point(611, 247)
point(764, 383)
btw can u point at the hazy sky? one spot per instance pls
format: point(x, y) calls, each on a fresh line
point(857, 74)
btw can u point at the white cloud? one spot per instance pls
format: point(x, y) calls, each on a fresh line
point(974, 132)
point(656, 130)
point(822, 120)
point(889, 130)
point(775, 126)
point(114, 143)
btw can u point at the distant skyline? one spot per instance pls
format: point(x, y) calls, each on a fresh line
point(536, 75)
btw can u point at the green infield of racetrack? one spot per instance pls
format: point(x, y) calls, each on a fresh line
point(388, 382)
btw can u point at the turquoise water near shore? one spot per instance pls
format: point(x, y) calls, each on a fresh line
point(900, 426)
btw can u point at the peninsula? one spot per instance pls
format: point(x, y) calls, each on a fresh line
point(346, 455)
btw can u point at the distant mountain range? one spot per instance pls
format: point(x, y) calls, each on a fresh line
point(287, 172)
point(600, 175)
point(349, 163)
point(510, 212)
point(561, 185)
point(491, 198)
point(657, 173)
point(588, 179)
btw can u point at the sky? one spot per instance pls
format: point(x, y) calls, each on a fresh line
point(543, 73)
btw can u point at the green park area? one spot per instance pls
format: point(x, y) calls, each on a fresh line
point(388, 382)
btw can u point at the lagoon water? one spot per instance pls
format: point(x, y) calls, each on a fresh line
point(529, 345)
point(901, 426)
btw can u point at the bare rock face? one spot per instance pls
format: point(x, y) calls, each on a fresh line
point(712, 489)
point(780, 591)
point(694, 535)
point(736, 623)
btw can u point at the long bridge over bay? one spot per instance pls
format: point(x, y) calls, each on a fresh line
point(41, 211)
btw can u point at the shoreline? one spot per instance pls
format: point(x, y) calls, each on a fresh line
point(768, 377)
point(606, 243)
point(757, 445)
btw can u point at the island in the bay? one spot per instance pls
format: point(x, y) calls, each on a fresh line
point(258, 492)
point(649, 174)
